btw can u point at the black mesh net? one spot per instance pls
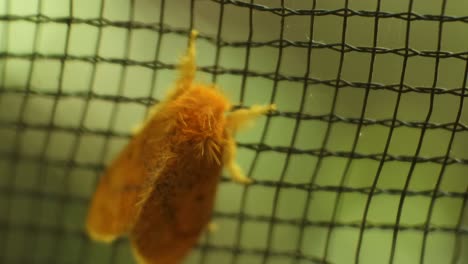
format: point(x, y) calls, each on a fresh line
point(365, 160)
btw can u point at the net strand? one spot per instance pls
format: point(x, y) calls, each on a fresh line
point(312, 179)
point(21, 130)
point(320, 153)
point(385, 152)
point(345, 175)
point(271, 225)
point(463, 216)
point(245, 189)
point(306, 186)
point(422, 258)
point(4, 236)
point(340, 12)
point(157, 65)
point(345, 12)
point(370, 226)
point(48, 137)
point(85, 247)
point(332, 118)
point(276, 43)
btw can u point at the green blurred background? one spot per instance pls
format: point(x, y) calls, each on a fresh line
point(54, 139)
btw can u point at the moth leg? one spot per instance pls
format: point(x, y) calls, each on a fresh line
point(236, 120)
point(234, 169)
point(242, 117)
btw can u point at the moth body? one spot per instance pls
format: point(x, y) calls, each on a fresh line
point(161, 188)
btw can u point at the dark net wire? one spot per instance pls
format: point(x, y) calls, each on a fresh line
point(375, 173)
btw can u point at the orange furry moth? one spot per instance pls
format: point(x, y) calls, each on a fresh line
point(161, 188)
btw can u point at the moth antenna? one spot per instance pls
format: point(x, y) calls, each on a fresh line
point(188, 66)
point(187, 69)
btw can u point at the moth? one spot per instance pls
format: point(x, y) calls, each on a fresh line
point(161, 188)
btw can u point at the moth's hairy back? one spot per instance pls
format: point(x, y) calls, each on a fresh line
point(191, 125)
point(176, 206)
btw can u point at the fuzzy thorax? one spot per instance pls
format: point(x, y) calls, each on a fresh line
point(200, 121)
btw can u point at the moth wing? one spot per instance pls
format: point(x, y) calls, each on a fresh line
point(113, 209)
point(177, 210)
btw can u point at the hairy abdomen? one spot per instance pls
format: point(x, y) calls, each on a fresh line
point(178, 207)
